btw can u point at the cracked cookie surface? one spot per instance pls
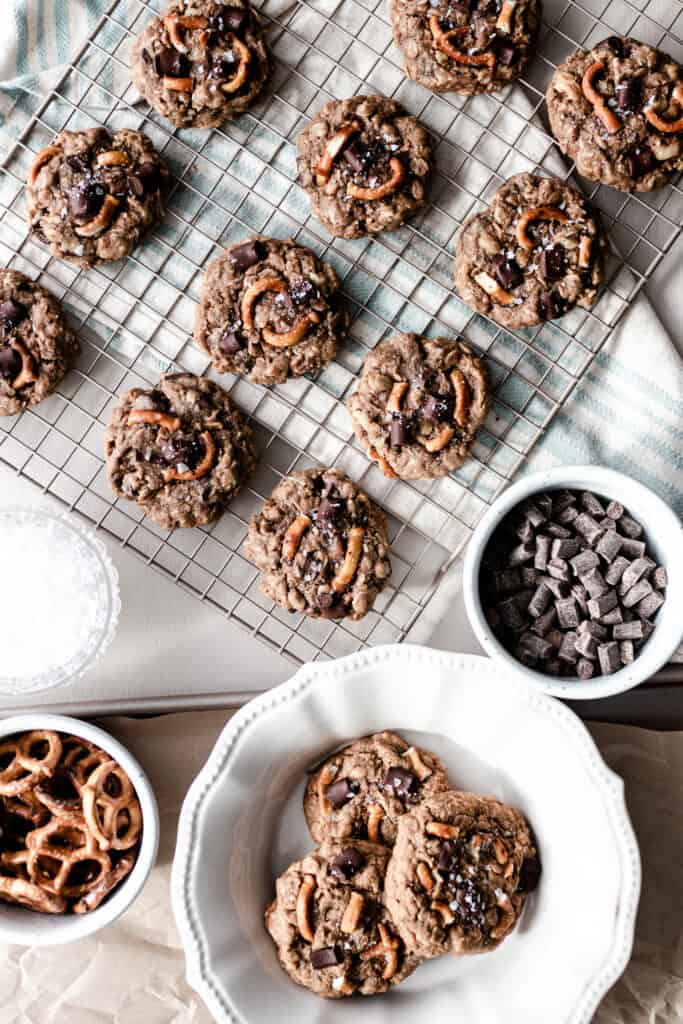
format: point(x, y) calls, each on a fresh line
point(419, 404)
point(360, 792)
point(459, 875)
point(181, 450)
point(93, 195)
point(465, 46)
point(321, 546)
point(533, 254)
point(270, 310)
point(617, 111)
point(37, 348)
point(364, 163)
point(201, 64)
point(332, 933)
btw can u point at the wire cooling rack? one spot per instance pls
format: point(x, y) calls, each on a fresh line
point(135, 317)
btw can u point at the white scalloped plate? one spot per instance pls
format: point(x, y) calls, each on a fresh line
point(242, 823)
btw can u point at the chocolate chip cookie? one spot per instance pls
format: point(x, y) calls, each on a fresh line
point(200, 64)
point(537, 251)
point(361, 791)
point(419, 404)
point(37, 348)
point(270, 310)
point(332, 933)
point(364, 163)
point(465, 46)
point(617, 111)
point(93, 195)
point(181, 450)
point(321, 545)
point(459, 874)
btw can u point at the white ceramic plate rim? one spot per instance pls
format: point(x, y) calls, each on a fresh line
point(316, 676)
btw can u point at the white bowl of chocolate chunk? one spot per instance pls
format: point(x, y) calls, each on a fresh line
point(574, 580)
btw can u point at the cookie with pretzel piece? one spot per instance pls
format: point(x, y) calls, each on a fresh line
point(201, 63)
point(270, 310)
point(332, 933)
point(321, 546)
point(617, 111)
point(93, 195)
point(364, 163)
point(537, 251)
point(465, 46)
point(419, 404)
point(181, 450)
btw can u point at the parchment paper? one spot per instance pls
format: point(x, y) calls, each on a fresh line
point(133, 973)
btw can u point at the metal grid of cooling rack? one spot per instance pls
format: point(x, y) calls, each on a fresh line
point(135, 318)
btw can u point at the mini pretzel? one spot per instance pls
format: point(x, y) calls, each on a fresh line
point(325, 779)
point(585, 246)
point(443, 41)
point(348, 568)
point(113, 158)
point(175, 25)
point(14, 779)
point(600, 108)
point(14, 863)
point(178, 84)
point(41, 870)
point(375, 815)
point(83, 767)
point(492, 288)
point(504, 23)
point(462, 398)
point(70, 832)
point(295, 532)
point(387, 947)
point(264, 284)
point(293, 337)
point(396, 396)
point(386, 188)
point(104, 885)
point(240, 76)
point(101, 221)
point(114, 819)
point(27, 805)
point(536, 213)
point(42, 158)
point(202, 468)
point(424, 876)
point(352, 913)
point(160, 419)
point(332, 150)
point(417, 764)
point(441, 830)
point(444, 911)
point(27, 373)
point(58, 805)
point(437, 443)
point(18, 890)
point(660, 123)
point(500, 851)
point(303, 908)
point(383, 464)
point(31, 762)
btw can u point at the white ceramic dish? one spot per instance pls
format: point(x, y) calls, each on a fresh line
point(242, 823)
point(29, 928)
point(664, 536)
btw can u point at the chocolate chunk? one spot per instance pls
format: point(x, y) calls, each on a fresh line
point(403, 782)
point(627, 652)
point(559, 569)
point(448, 857)
point(341, 791)
point(507, 272)
point(588, 528)
point(86, 199)
point(544, 623)
point(567, 613)
point(609, 545)
point(184, 450)
point(540, 601)
point(635, 593)
point(11, 314)
point(522, 553)
point(328, 514)
point(229, 19)
point(231, 342)
point(599, 606)
point(615, 571)
point(506, 54)
point(10, 363)
point(616, 45)
point(556, 530)
point(640, 162)
point(593, 629)
point(398, 432)
point(629, 94)
point(565, 548)
point(552, 263)
point(145, 180)
point(248, 254)
point(592, 504)
point(535, 515)
point(613, 617)
point(535, 645)
point(327, 956)
point(346, 863)
point(510, 613)
point(171, 64)
point(551, 305)
point(632, 548)
point(587, 645)
point(660, 578)
point(507, 581)
point(542, 554)
point(147, 57)
point(635, 571)
point(595, 583)
point(79, 163)
point(529, 874)
point(585, 669)
point(609, 658)
point(567, 651)
point(358, 156)
point(327, 602)
point(303, 292)
point(438, 408)
point(628, 630)
point(650, 604)
point(628, 527)
point(614, 510)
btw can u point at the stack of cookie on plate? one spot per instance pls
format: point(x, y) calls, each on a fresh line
point(407, 869)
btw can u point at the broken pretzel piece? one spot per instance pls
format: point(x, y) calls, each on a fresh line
point(325, 779)
point(388, 947)
point(600, 108)
point(157, 419)
point(39, 751)
point(462, 397)
point(585, 247)
point(352, 913)
point(202, 468)
point(303, 907)
point(504, 22)
point(240, 76)
point(382, 463)
point(332, 150)
point(443, 42)
point(440, 440)
point(660, 123)
point(386, 188)
point(492, 288)
point(417, 764)
point(441, 830)
point(295, 532)
point(375, 815)
point(176, 25)
point(40, 161)
point(101, 221)
point(348, 568)
point(178, 84)
point(396, 396)
point(292, 337)
point(424, 876)
point(550, 213)
point(264, 284)
point(113, 158)
point(27, 373)
point(444, 911)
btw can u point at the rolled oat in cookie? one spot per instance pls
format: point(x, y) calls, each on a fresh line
point(321, 546)
point(617, 111)
point(331, 930)
point(93, 195)
point(419, 404)
point(37, 348)
point(201, 63)
point(533, 254)
point(364, 163)
point(361, 791)
point(465, 46)
point(270, 310)
point(181, 450)
point(459, 874)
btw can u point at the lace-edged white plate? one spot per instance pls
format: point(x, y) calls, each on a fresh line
point(242, 823)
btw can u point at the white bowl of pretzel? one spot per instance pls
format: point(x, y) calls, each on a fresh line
point(79, 829)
